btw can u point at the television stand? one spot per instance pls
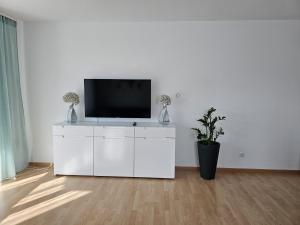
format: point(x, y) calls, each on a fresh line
point(114, 149)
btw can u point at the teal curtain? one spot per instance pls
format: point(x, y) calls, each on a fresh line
point(13, 144)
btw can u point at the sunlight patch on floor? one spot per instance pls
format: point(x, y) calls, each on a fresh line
point(30, 212)
point(18, 183)
point(49, 184)
point(32, 197)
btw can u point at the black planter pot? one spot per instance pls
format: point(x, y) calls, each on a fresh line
point(208, 159)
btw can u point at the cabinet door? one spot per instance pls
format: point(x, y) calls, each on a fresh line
point(113, 156)
point(73, 155)
point(154, 157)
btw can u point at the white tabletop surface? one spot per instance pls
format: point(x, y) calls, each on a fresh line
point(121, 124)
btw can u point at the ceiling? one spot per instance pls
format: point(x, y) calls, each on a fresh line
point(150, 10)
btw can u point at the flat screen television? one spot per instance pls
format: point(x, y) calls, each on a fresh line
point(121, 98)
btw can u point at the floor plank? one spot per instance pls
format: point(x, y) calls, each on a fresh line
point(38, 197)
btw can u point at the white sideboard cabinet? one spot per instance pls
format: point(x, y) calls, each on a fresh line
point(114, 149)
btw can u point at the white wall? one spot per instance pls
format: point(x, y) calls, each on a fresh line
point(248, 70)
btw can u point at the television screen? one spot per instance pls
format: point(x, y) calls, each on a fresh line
point(121, 98)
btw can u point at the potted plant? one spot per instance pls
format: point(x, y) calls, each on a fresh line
point(208, 147)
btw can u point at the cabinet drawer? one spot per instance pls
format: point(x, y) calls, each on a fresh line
point(155, 132)
point(112, 132)
point(73, 131)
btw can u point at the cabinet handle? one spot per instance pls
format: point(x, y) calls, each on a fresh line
point(140, 137)
point(58, 136)
point(99, 137)
point(169, 137)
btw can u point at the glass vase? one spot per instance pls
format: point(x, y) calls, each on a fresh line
point(71, 115)
point(164, 115)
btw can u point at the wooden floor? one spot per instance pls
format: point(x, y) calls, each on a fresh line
point(38, 197)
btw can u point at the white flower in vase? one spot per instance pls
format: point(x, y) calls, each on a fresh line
point(164, 118)
point(72, 98)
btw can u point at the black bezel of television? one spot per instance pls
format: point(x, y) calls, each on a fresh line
point(117, 98)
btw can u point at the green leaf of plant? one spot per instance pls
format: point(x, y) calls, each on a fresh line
point(211, 132)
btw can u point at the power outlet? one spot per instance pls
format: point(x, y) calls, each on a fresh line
point(242, 154)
